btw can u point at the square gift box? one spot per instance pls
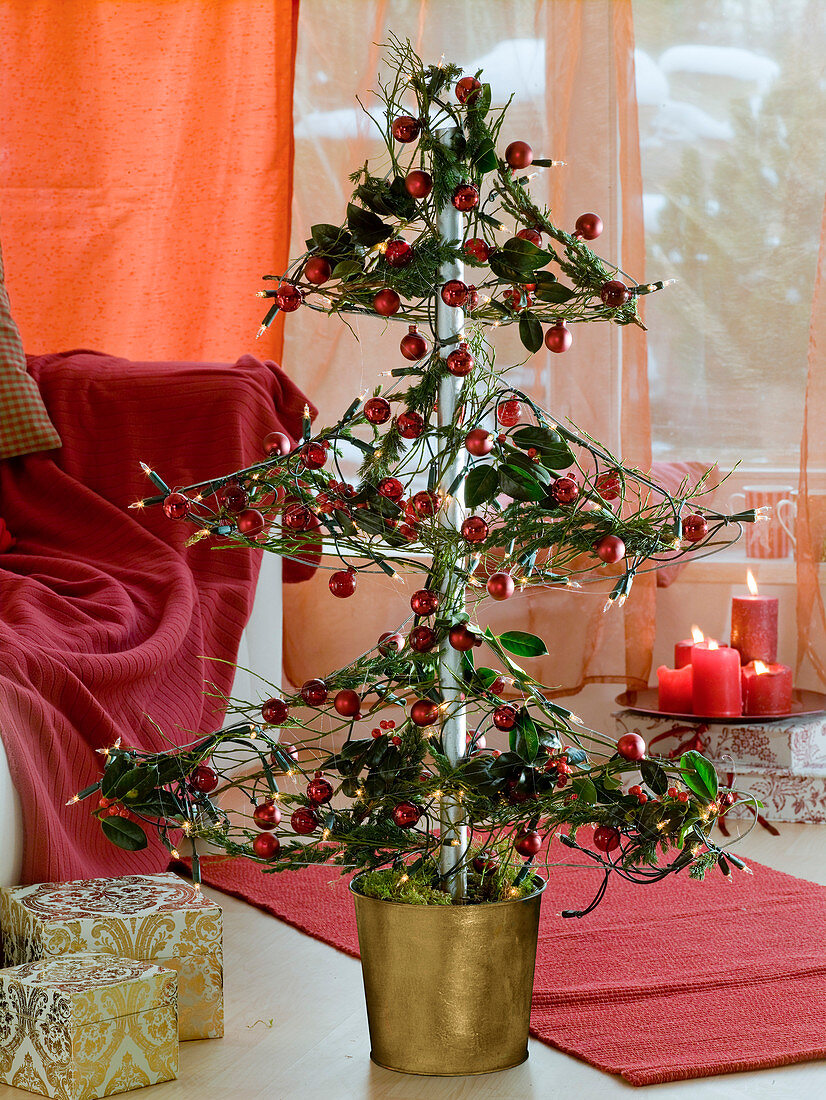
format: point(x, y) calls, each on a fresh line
point(85, 1025)
point(160, 918)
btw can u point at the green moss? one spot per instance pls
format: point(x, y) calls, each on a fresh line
point(388, 884)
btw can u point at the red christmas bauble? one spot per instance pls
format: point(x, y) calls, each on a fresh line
point(565, 490)
point(203, 779)
point(424, 601)
point(614, 293)
point(472, 299)
point(468, 90)
point(515, 793)
point(460, 362)
point(314, 692)
point(558, 338)
point(390, 642)
point(530, 234)
point(476, 248)
point(465, 197)
point(519, 154)
point(297, 517)
point(609, 486)
point(288, 297)
point(419, 184)
point(500, 683)
point(405, 128)
point(588, 226)
point(276, 444)
point(610, 548)
point(377, 410)
point(695, 527)
point(500, 586)
point(408, 532)
point(267, 815)
point(422, 639)
point(631, 746)
point(386, 302)
point(463, 639)
point(504, 717)
point(406, 814)
point(474, 529)
point(509, 413)
point(303, 821)
point(319, 791)
point(265, 845)
point(482, 864)
point(425, 502)
point(313, 456)
point(274, 712)
point(317, 270)
point(454, 293)
point(528, 844)
point(413, 346)
point(424, 712)
point(250, 522)
point(176, 506)
point(391, 488)
point(347, 703)
point(398, 253)
point(343, 583)
point(479, 442)
point(233, 498)
point(410, 425)
point(476, 739)
point(606, 839)
point(288, 749)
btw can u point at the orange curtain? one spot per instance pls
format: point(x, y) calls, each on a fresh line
point(146, 172)
point(811, 516)
point(571, 65)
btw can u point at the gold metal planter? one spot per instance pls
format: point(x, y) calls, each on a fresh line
point(448, 987)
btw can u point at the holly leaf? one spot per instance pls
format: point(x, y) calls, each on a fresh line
point(366, 227)
point(481, 484)
point(530, 331)
point(699, 775)
point(654, 776)
point(124, 832)
point(522, 644)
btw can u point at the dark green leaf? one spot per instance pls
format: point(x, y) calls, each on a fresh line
point(516, 483)
point(526, 742)
point(535, 470)
point(124, 832)
point(654, 776)
point(554, 451)
point(328, 237)
point(116, 767)
point(530, 331)
point(346, 268)
point(366, 227)
point(554, 293)
point(694, 766)
point(522, 644)
point(481, 484)
point(524, 255)
point(483, 156)
point(584, 789)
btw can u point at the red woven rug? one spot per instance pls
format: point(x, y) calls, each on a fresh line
point(663, 982)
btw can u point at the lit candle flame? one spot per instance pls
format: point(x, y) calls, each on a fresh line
point(760, 668)
point(697, 634)
point(751, 582)
point(712, 644)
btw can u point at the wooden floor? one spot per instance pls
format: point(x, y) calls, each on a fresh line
point(317, 1047)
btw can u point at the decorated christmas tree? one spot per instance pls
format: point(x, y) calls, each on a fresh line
point(467, 481)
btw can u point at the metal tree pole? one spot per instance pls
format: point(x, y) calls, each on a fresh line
point(450, 322)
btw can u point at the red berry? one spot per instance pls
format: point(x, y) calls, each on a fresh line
point(631, 746)
point(606, 839)
point(636, 790)
point(396, 741)
point(266, 815)
point(683, 796)
point(672, 792)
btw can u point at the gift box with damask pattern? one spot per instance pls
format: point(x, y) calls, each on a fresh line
point(160, 918)
point(84, 1025)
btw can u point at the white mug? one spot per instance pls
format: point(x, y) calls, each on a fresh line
point(775, 538)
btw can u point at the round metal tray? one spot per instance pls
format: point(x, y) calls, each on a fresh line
point(646, 702)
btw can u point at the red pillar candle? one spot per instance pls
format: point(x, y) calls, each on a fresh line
point(754, 625)
point(674, 689)
point(767, 689)
point(716, 690)
point(682, 650)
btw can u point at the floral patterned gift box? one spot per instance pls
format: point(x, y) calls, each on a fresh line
point(86, 1025)
point(161, 918)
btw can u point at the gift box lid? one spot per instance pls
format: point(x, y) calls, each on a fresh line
point(88, 987)
point(138, 916)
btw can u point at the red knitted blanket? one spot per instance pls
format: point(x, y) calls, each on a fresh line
point(105, 615)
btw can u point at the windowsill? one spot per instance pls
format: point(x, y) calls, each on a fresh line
point(726, 568)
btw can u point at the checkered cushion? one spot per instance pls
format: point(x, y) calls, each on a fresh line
point(24, 422)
